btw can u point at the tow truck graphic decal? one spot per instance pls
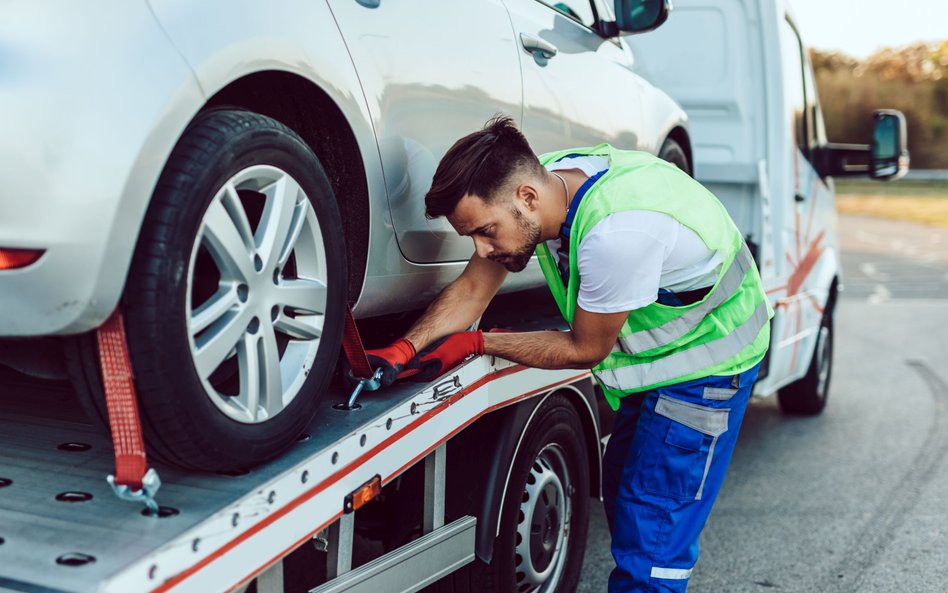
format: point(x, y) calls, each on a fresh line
point(802, 258)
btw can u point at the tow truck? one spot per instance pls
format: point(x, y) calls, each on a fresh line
point(416, 485)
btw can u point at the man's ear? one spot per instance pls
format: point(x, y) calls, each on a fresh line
point(528, 195)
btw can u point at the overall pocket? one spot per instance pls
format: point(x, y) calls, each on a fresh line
point(679, 462)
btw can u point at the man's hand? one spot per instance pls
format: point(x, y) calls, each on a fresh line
point(445, 354)
point(391, 359)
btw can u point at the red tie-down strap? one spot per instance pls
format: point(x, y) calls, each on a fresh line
point(352, 346)
point(119, 385)
point(356, 356)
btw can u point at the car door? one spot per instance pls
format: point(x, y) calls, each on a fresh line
point(431, 71)
point(578, 88)
point(809, 216)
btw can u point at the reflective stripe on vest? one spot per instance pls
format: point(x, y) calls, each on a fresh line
point(676, 328)
point(687, 361)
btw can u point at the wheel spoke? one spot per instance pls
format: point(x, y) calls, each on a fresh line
point(224, 241)
point(271, 376)
point(213, 309)
point(297, 328)
point(303, 295)
point(296, 227)
point(273, 232)
point(214, 346)
point(248, 358)
point(235, 209)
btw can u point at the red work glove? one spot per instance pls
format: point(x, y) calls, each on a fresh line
point(445, 354)
point(391, 359)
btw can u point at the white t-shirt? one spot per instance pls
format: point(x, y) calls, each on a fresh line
point(629, 255)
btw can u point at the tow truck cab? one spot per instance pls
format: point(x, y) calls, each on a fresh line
point(742, 73)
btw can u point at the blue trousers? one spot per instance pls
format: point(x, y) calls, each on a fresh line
point(662, 470)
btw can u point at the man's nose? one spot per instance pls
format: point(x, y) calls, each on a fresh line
point(482, 247)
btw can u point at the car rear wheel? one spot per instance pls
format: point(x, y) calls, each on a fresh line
point(673, 152)
point(235, 296)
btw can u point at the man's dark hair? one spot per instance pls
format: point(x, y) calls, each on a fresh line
point(480, 163)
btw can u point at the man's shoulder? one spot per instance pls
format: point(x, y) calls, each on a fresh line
point(634, 220)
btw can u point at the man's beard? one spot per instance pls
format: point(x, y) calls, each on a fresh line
point(516, 261)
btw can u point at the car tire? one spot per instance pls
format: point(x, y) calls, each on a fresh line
point(234, 301)
point(548, 491)
point(673, 152)
point(807, 396)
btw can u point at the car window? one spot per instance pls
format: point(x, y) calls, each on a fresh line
point(579, 10)
point(792, 54)
point(816, 127)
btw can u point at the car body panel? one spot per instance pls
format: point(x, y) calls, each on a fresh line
point(425, 88)
point(582, 96)
point(91, 114)
point(588, 93)
point(84, 142)
point(314, 48)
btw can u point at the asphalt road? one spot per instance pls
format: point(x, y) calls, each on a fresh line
point(856, 499)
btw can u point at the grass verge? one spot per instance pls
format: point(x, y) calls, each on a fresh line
point(915, 201)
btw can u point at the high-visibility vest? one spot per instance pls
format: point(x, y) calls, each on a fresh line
point(725, 333)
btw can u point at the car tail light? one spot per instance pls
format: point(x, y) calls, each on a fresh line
point(11, 259)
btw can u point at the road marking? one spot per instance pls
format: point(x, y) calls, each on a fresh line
point(881, 294)
point(900, 246)
point(869, 269)
point(867, 236)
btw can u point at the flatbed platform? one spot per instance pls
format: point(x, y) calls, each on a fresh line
point(63, 530)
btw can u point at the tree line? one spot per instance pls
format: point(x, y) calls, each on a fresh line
point(912, 79)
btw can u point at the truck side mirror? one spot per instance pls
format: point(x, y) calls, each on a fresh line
point(639, 16)
point(886, 159)
point(889, 156)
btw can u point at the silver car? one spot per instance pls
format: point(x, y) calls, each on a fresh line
point(229, 174)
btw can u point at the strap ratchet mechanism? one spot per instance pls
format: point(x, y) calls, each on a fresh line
point(360, 370)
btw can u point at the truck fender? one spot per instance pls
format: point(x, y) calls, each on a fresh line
point(506, 428)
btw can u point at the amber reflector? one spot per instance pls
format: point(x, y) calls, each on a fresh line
point(363, 494)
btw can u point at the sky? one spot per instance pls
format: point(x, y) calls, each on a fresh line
point(859, 27)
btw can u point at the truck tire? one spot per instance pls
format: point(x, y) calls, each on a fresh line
point(234, 301)
point(545, 514)
point(673, 152)
point(808, 395)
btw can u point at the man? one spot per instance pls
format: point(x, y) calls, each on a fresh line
point(664, 303)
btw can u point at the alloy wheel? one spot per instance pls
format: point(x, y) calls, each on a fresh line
point(257, 286)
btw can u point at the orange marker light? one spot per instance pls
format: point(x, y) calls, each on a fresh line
point(10, 259)
point(363, 494)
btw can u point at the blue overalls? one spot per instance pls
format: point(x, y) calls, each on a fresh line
point(664, 464)
point(661, 477)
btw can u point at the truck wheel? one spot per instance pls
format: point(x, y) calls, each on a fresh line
point(672, 152)
point(545, 513)
point(808, 395)
point(234, 301)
